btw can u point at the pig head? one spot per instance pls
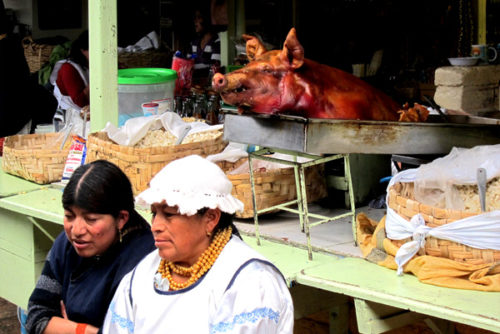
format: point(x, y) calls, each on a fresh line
point(283, 81)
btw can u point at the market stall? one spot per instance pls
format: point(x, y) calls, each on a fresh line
point(31, 214)
point(384, 300)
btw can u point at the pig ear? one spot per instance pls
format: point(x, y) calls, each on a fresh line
point(254, 47)
point(293, 52)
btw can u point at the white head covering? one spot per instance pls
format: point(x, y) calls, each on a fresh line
point(191, 183)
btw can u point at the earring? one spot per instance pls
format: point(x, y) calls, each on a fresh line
point(209, 234)
point(121, 235)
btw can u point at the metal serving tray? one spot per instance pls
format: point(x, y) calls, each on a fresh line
point(328, 136)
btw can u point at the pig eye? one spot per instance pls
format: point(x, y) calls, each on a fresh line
point(267, 69)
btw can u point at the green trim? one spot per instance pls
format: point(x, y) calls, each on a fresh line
point(145, 76)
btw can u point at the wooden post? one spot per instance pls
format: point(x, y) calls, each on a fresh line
point(103, 61)
point(481, 21)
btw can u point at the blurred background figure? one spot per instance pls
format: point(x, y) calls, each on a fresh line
point(205, 47)
point(23, 102)
point(70, 76)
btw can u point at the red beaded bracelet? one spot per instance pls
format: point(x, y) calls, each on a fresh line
point(80, 328)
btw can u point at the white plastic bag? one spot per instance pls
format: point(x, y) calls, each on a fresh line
point(435, 182)
point(76, 122)
point(232, 153)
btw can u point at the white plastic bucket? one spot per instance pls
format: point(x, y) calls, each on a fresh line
point(142, 85)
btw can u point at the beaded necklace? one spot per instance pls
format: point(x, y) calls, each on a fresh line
point(204, 263)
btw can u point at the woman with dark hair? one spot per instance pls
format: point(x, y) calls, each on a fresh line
point(203, 278)
point(104, 238)
point(70, 77)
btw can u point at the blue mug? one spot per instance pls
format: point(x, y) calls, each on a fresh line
point(486, 54)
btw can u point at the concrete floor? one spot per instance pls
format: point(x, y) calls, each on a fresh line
point(8, 318)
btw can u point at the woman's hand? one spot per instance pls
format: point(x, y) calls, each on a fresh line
point(85, 113)
point(63, 311)
point(58, 325)
point(91, 330)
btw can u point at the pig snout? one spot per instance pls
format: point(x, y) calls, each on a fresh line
point(219, 82)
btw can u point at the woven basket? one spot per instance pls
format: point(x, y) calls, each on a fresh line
point(273, 187)
point(141, 164)
point(147, 58)
point(402, 201)
point(34, 157)
point(36, 54)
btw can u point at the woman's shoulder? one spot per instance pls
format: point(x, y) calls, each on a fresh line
point(238, 246)
point(67, 66)
point(250, 259)
point(149, 263)
point(61, 243)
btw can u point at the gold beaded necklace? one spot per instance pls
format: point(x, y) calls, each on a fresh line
point(204, 263)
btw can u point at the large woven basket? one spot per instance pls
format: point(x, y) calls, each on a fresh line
point(141, 164)
point(402, 201)
point(273, 187)
point(35, 157)
point(36, 54)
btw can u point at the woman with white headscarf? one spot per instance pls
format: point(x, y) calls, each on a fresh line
point(202, 278)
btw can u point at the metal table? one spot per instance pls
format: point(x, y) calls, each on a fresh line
point(329, 136)
point(300, 183)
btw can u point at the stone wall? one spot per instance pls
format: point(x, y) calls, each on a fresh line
point(471, 89)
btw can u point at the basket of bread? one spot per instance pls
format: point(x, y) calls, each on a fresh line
point(443, 208)
point(154, 147)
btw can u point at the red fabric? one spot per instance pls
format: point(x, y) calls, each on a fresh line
point(80, 328)
point(70, 83)
point(1, 145)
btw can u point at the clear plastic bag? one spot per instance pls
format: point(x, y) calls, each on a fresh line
point(437, 183)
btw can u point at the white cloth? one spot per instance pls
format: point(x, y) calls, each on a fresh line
point(137, 128)
point(65, 102)
point(150, 41)
point(480, 231)
point(232, 153)
point(241, 293)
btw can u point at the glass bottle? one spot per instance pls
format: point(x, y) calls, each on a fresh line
point(213, 110)
point(187, 107)
point(178, 105)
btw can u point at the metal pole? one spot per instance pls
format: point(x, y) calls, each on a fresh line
point(254, 200)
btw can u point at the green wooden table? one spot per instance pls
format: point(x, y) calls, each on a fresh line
point(13, 185)
point(30, 220)
point(383, 300)
point(29, 223)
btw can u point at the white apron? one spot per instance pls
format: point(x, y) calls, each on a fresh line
point(241, 293)
point(65, 102)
